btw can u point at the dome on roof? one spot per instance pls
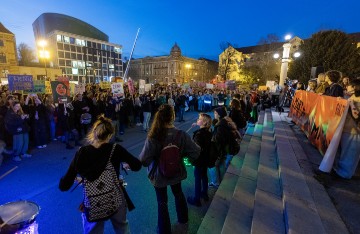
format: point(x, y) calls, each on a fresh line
point(175, 51)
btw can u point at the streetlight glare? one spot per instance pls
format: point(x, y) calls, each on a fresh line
point(276, 56)
point(288, 37)
point(297, 54)
point(42, 43)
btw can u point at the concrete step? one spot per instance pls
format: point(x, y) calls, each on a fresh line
point(239, 217)
point(268, 211)
point(300, 211)
point(329, 215)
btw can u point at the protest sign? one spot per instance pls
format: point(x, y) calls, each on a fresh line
point(141, 86)
point(39, 87)
point(117, 89)
point(20, 82)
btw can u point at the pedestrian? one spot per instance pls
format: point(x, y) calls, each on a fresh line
point(163, 131)
point(91, 161)
point(202, 137)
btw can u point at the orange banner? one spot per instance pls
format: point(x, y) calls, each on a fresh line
point(319, 117)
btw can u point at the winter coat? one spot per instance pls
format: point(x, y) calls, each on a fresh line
point(14, 124)
point(202, 138)
point(150, 155)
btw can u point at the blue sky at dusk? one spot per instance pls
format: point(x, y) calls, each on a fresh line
point(197, 26)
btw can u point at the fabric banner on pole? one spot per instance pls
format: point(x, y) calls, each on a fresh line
point(130, 84)
point(20, 82)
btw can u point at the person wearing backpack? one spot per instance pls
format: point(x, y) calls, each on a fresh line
point(237, 116)
point(163, 134)
point(202, 137)
point(223, 136)
point(95, 161)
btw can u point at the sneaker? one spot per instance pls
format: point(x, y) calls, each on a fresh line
point(44, 146)
point(16, 158)
point(54, 139)
point(213, 185)
point(39, 147)
point(192, 201)
point(26, 156)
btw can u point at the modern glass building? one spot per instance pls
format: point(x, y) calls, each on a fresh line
point(80, 50)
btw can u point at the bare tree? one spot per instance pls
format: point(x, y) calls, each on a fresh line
point(225, 65)
point(26, 54)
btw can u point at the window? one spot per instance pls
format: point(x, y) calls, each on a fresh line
point(58, 38)
point(1, 43)
point(75, 71)
point(72, 40)
point(67, 55)
point(60, 46)
point(66, 47)
point(61, 62)
point(73, 48)
point(61, 54)
point(2, 58)
point(117, 49)
point(73, 56)
point(74, 63)
point(79, 57)
point(66, 39)
point(68, 63)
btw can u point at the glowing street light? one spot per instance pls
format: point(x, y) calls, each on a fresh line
point(44, 54)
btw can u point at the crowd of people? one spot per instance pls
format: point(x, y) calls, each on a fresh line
point(97, 119)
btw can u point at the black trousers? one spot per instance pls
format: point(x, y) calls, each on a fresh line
point(164, 223)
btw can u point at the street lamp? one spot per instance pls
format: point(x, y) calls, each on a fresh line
point(285, 59)
point(44, 54)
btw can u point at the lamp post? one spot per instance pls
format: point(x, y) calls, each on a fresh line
point(285, 60)
point(44, 54)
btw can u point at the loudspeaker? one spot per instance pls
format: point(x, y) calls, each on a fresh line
point(315, 71)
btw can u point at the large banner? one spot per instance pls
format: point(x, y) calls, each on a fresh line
point(20, 82)
point(321, 118)
point(141, 86)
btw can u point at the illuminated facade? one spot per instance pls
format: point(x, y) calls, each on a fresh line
point(8, 55)
point(81, 51)
point(173, 68)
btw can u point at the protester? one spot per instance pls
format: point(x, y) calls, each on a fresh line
point(161, 132)
point(202, 137)
point(334, 89)
point(16, 124)
point(321, 84)
point(90, 161)
point(346, 164)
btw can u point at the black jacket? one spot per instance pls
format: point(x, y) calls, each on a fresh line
point(90, 162)
point(202, 138)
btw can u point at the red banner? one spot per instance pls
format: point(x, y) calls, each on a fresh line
point(319, 117)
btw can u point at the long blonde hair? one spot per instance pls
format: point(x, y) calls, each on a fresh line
point(101, 131)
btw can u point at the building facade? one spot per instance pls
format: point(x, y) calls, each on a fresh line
point(80, 50)
point(173, 68)
point(233, 60)
point(8, 54)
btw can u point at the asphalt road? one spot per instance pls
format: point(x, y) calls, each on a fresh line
point(36, 179)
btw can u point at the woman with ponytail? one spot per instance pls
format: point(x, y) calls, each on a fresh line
point(91, 160)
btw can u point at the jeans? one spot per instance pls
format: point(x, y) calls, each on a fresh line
point(147, 116)
point(20, 143)
point(201, 182)
point(118, 221)
point(181, 113)
point(164, 224)
point(217, 173)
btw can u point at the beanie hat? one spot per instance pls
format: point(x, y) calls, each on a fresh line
point(221, 111)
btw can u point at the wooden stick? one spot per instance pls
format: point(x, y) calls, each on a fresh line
point(7, 221)
point(8, 172)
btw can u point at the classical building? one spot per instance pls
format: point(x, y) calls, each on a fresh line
point(173, 68)
point(232, 60)
point(80, 50)
point(9, 61)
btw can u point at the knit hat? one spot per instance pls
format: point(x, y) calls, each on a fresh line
point(221, 111)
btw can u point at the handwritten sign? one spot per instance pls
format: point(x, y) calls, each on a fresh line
point(141, 86)
point(48, 89)
point(147, 87)
point(105, 85)
point(20, 82)
point(117, 89)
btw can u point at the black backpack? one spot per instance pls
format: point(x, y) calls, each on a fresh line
point(234, 142)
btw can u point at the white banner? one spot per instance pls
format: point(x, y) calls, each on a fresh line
point(209, 86)
point(141, 86)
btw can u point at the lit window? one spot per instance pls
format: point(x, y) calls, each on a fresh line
point(2, 58)
point(117, 49)
point(66, 39)
point(58, 38)
point(74, 63)
point(75, 71)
